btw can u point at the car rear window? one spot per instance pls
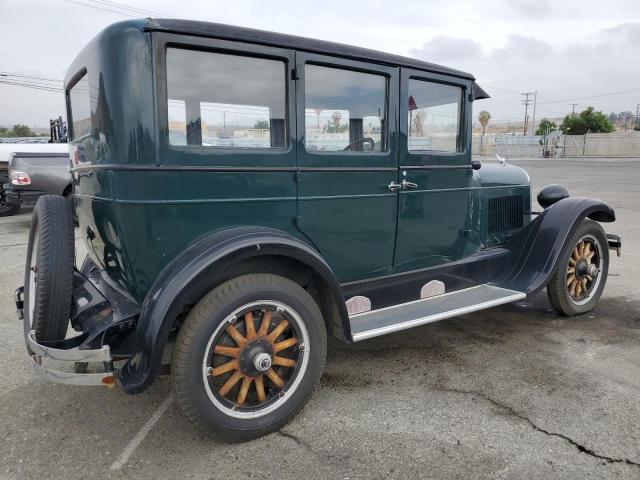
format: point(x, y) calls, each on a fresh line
point(225, 100)
point(80, 108)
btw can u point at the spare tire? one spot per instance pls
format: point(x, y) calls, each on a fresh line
point(48, 277)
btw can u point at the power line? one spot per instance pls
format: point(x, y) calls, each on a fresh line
point(32, 85)
point(103, 9)
point(25, 76)
point(119, 8)
point(127, 7)
point(621, 92)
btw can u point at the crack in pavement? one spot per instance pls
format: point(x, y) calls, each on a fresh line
point(320, 455)
point(578, 446)
point(302, 443)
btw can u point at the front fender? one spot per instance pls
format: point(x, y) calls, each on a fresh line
point(536, 249)
point(174, 288)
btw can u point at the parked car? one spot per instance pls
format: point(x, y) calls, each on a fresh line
point(32, 175)
point(28, 171)
point(243, 194)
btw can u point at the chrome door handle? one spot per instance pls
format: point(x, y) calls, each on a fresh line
point(393, 186)
point(406, 185)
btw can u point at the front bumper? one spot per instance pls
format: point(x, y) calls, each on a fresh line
point(615, 242)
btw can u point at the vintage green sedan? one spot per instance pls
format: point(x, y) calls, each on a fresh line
point(243, 194)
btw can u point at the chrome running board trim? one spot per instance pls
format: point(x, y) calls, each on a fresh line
point(421, 312)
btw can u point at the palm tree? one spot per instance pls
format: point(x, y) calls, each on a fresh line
point(483, 118)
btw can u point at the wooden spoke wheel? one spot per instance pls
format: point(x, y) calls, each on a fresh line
point(583, 269)
point(255, 358)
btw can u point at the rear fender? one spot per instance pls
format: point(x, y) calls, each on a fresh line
point(184, 281)
point(537, 248)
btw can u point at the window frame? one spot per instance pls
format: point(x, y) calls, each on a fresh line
point(77, 77)
point(427, 158)
point(345, 158)
point(204, 155)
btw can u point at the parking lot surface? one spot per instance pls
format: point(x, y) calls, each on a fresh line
point(511, 392)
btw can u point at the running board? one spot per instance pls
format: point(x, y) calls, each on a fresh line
point(420, 312)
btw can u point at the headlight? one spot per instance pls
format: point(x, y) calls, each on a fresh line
point(19, 177)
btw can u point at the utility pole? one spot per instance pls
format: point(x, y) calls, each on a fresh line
point(637, 125)
point(533, 120)
point(573, 111)
point(526, 103)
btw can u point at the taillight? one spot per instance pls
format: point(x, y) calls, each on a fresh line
point(20, 177)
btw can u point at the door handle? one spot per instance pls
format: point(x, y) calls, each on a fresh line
point(393, 186)
point(406, 185)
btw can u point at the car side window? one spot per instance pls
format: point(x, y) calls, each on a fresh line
point(344, 110)
point(80, 107)
point(224, 100)
point(435, 110)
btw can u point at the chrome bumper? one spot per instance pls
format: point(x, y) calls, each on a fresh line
point(74, 355)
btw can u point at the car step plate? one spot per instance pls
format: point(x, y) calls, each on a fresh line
point(420, 312)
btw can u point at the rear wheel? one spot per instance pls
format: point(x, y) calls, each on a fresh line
point(48, 278)
point(248, 356)
point(581, 273)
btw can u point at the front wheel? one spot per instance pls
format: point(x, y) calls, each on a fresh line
point(248, 356)
point(581, 273)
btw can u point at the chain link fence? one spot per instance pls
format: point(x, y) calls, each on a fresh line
point(556, 144)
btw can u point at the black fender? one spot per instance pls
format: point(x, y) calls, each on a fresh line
point(171, 290)
point(536, 248)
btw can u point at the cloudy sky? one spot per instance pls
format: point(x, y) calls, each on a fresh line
point(571, 51)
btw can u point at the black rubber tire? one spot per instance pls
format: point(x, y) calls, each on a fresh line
point(557, 288)
point(52, 223)
point(196, 331)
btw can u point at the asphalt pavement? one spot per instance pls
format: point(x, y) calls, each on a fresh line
point(511, 392)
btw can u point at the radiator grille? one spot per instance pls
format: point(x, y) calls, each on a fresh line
point(505, 214)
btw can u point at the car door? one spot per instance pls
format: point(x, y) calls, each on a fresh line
point(347, 157)
point(434, 208)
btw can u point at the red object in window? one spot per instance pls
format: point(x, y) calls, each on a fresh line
point(412, 103)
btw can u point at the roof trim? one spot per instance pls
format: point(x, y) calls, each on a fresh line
point(263, 37)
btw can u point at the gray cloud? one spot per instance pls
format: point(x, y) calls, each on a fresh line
point(563, 49)
point(600, 62)
point(446, 49)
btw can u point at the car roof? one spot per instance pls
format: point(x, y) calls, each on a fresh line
point(262, 37)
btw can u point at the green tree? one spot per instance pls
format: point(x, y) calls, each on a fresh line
point(22, 131)
point(545, 126)
point(589, 120)
point(483, 118)
point(262, 124)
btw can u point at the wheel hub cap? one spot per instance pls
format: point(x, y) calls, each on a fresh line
point(255, 357)
point(262, 362)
